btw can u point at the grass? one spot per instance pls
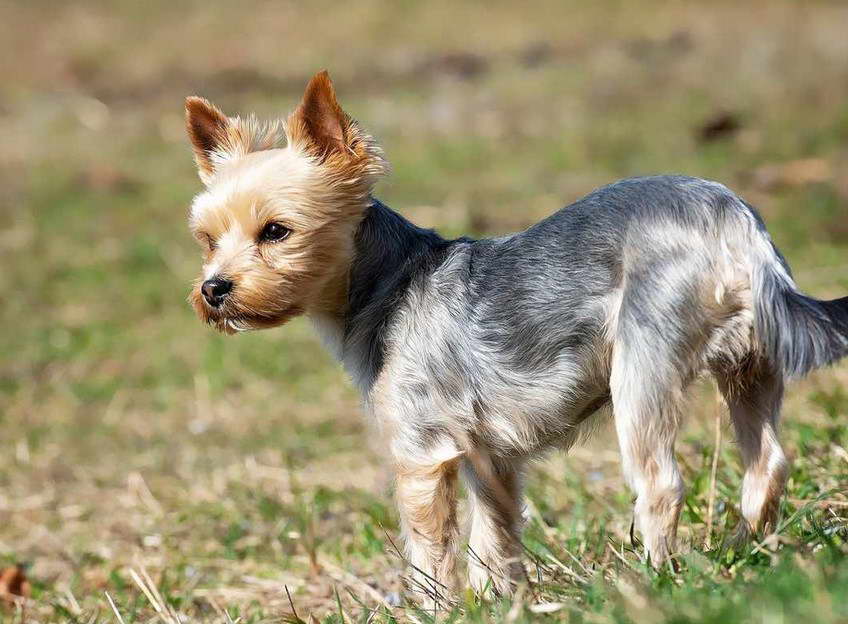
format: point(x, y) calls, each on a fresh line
point(190, 477)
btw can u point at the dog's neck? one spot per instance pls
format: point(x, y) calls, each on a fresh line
point(387, 250)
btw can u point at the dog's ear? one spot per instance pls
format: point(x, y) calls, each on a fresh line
point(319, 124)
point(320, 128)
point(208, 129)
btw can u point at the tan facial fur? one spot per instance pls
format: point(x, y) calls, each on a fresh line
point(316, 183)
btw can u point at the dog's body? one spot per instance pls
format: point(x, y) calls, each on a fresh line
point(475, 356)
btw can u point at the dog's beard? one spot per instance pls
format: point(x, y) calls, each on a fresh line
point(233, 326)
point(232, 318)
point(239, 323)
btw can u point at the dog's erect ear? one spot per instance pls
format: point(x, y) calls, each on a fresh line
point(208, 129)
point(319, 124)
point(217, 138)
point(320, 128)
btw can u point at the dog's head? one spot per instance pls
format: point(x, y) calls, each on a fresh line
point(281, 206)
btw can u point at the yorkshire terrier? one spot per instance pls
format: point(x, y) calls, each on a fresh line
point(475, 356)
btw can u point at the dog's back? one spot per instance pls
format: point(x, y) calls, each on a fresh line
point(663, 246)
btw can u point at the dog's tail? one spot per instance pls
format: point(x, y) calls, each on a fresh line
point(797, 333)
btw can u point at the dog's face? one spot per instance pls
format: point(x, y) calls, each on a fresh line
point(280, 210)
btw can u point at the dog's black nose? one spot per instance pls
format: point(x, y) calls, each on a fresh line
point(215, 291)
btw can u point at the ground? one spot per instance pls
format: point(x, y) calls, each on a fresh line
point(152, 470)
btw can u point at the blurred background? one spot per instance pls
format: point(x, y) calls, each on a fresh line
point(135, 440)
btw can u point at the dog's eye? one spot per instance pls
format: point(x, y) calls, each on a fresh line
point(274, 232)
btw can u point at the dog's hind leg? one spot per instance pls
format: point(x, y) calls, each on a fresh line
point(646, 392)
point(494, 545)
point(754, 396)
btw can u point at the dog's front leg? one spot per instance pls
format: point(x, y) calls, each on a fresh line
point(494, 545)
point(426, 497)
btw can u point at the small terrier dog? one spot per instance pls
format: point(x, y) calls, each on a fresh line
point(474, 356)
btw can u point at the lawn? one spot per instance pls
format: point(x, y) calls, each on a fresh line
point(154, 471)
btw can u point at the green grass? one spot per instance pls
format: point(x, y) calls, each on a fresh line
point(143, 454)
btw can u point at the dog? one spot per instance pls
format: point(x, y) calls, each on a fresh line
point(475, 356)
